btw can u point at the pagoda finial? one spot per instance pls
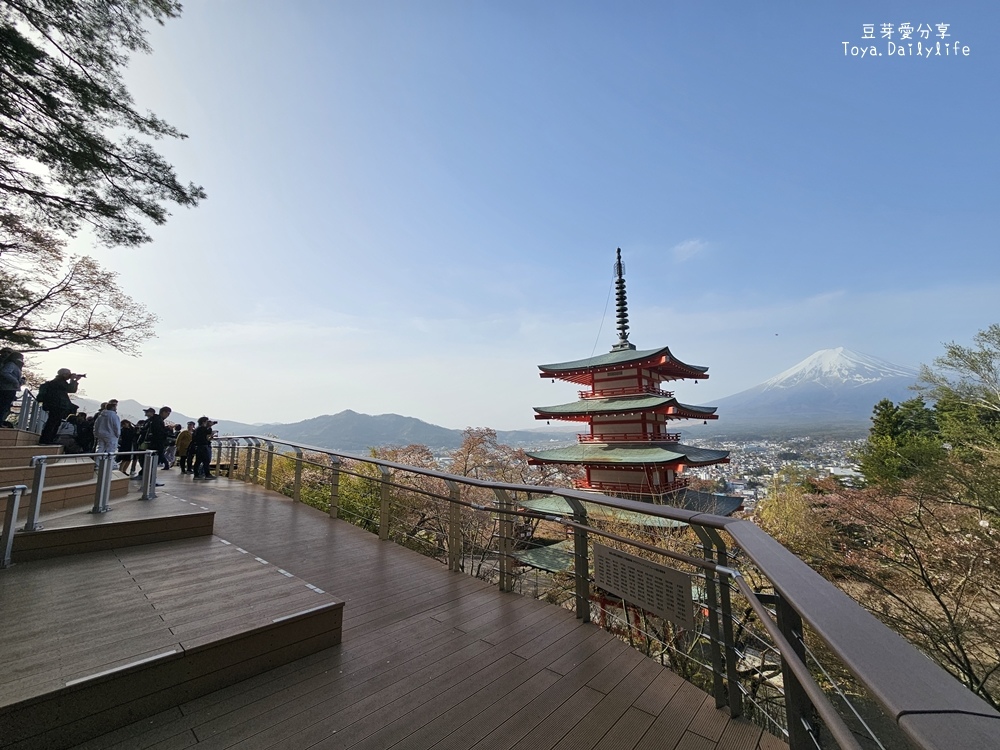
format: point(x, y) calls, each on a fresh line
point(621, 305)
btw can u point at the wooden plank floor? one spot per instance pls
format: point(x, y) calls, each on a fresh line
point(64, 620)
point(429, 659)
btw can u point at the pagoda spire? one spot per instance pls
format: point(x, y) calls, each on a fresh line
point(621, 304)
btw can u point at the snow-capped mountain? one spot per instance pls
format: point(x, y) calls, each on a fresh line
point(831, 389)
point(834, 368)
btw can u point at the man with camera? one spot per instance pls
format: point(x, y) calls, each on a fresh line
point(54, 397)
point(202, 442)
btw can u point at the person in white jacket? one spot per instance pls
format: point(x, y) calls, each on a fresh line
point(107, 429)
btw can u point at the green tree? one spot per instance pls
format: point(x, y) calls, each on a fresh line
point(903, 442)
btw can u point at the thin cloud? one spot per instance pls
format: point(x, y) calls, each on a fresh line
point(684, 251)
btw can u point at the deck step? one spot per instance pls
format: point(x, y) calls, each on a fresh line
point(21, 455)
point(109, 533)
point(59, 497)
point(170, 622)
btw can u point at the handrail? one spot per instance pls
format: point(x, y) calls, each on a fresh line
point(30, 412)
point(102, 493)
point(910, 688)
point(629, 437)
point(7, 537)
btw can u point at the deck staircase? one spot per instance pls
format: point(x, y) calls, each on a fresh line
point(69, 483)
point(111, 617)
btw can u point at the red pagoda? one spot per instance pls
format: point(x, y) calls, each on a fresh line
point(628, 449)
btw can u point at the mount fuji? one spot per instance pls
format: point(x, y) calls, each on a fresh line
point(832, 390)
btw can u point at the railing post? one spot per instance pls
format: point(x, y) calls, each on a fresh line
point(7, 545)
point(454, 526)
point(149, 466)
point(715, 636)
point(269, 464)
point(728, 636)
point(802, 730)
point(37, 490)
point(249, 457)
point(581, 559)
point(505, 547)
point(24, 414)
point(334, 486)
point(232, 459)
point(383, 512)
point(218, 458)
point(297, 487)
point(102, 490)
point(255, 476)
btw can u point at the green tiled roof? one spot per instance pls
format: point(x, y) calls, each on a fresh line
point(613, 405)
point(661, 453)
point(624, 356)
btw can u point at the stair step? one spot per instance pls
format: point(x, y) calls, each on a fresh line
point(59, 497)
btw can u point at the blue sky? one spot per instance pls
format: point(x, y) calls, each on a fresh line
point(412, 204)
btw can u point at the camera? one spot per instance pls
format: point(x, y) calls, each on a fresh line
point(77, 376)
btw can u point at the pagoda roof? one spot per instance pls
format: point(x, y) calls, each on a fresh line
point(588, 407)
point(631, 455)
point(661, 360)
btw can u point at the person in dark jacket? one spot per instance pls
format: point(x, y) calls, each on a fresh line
point(127, 442)
point(202, 443)
point(157, 435)
point(56, 402)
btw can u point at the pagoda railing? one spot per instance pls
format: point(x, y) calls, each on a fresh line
point(629, 437)
point(635, 489)
point(771, 639)
point(635, 390)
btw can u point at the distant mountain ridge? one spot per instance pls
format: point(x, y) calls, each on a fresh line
point(349, 430)
point(830, 391)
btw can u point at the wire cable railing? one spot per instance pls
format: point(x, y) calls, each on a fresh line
point(753, 610)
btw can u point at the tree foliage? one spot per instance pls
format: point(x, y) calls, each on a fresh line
point(918, 547)
point(79, 304)
point(903, 442)
point(76, 152)
point(73, 146)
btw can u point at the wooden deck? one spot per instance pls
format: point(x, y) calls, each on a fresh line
point(428, 658)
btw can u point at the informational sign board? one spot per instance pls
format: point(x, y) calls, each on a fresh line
point(655, 588)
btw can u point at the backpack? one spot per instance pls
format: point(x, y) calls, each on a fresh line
point(43, 393)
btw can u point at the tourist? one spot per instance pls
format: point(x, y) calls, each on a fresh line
point(202, 442)
point(85, 431)
point(127, 444)
point(107, 428)
point(54, 397)
point(11, 363)
point(156, 435)
point(171, 452)
point(184, 450)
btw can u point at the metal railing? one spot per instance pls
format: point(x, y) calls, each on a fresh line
point(30, 414)
point(14, 494)
point(102, 491)
point(633, 390)
point(769, 637)
point(629, 437)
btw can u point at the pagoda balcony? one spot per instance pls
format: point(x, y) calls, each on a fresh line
point(638, 390)
point(639, 489)
point(629, 437)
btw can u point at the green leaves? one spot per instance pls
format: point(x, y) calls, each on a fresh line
point(69, 154)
